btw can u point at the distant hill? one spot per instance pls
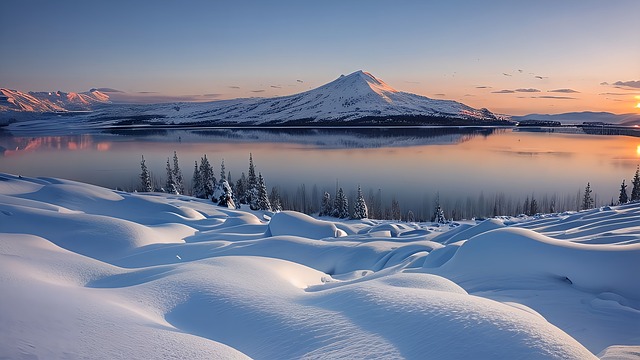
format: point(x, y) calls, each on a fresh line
point(585, 116)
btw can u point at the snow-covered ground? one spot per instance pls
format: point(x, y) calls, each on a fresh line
point(87, 272)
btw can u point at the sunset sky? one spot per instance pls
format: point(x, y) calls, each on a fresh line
point(513, 57)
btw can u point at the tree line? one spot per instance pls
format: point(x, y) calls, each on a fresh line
point(250, 190)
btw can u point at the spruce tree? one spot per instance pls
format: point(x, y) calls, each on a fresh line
point(177, 175)
point(587, 200)
point(170, 185)
point(327, 208)
point(396, 214)
point(223, 173)
point(274, 198)
point(438, 213)
point(251, 194)
point(145, 177)
point(410, 216)
point(360, 208)
point(533, 207)
point(635, 190)
point(241, 189)
point(623, 198)
point(263, 202)
point(341, 205)
point(225, 197)
point(196, 182)
point(208, 180)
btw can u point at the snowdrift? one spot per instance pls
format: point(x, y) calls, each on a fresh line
point(87, 272)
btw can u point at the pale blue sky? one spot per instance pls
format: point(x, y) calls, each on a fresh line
point(449, 49)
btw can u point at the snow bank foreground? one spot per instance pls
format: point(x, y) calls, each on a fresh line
point(87, 272)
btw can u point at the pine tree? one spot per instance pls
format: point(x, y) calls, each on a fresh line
point(196, 182)
point(438, 213)
point(623, 198)
point(525, 207)
point(145, 177)
point(225, 195)
point(177, 175)
point(170, 185)
point(410, 216)
point(395, 210)
point(587, 200)
point(263, 198)
point(341, 205)
point(207, 179)
point(533, 207)
point(251, 194)
point(274, 198)
point(327, 208)
point(360, 209)
point(223, 172)
point(241, 189)
point(635, 190)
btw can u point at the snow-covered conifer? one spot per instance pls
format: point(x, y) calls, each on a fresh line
point(177, 174)
point(170, 185)
point(251, 194)
point(360, 207)
point(587, 200)
point(208, 180)
point(341, 205)
point(196, 182)
point(411, 216)
point(635, 190)
point(145, 177)
point(241, 189)
point(623, 198)
point(274, 198)
point(327, 205)
point(438, 213)
point(263, 202)
point(224, 195)
point(223, 172)
point(396, 214)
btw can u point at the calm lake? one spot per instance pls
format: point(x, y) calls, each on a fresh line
point(462, 165)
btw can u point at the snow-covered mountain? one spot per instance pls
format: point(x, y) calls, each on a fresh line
point(356, 98)
point(58, 101)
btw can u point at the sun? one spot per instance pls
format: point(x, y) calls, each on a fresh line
point(638, 106)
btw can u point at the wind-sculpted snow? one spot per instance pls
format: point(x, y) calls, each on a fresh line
point(87, 272)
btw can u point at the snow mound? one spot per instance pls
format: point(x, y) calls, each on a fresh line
point(297, 224)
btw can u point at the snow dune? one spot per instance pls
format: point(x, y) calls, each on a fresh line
point(87, 272)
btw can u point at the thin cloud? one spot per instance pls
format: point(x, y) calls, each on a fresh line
point(234, 87)
point(528, 90)
point(554, 97)
point(505, 74)
point(412, 82)
point(483, 87)
point(212, 95)
point(147, 92)
point(440, 94)
point(566, 91)
point(503, 92)
point(633, 83)
point(613, 94)
point(109, 90)
point(541, 77)
point(257, 91)
point(276, 87)
point(300, 81)
point(604, 83)
point(520, 71)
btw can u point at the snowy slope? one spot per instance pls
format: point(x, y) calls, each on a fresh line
point(58, 101)
point(113, 275)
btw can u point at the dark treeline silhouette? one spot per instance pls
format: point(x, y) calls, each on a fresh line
point(251, 190)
